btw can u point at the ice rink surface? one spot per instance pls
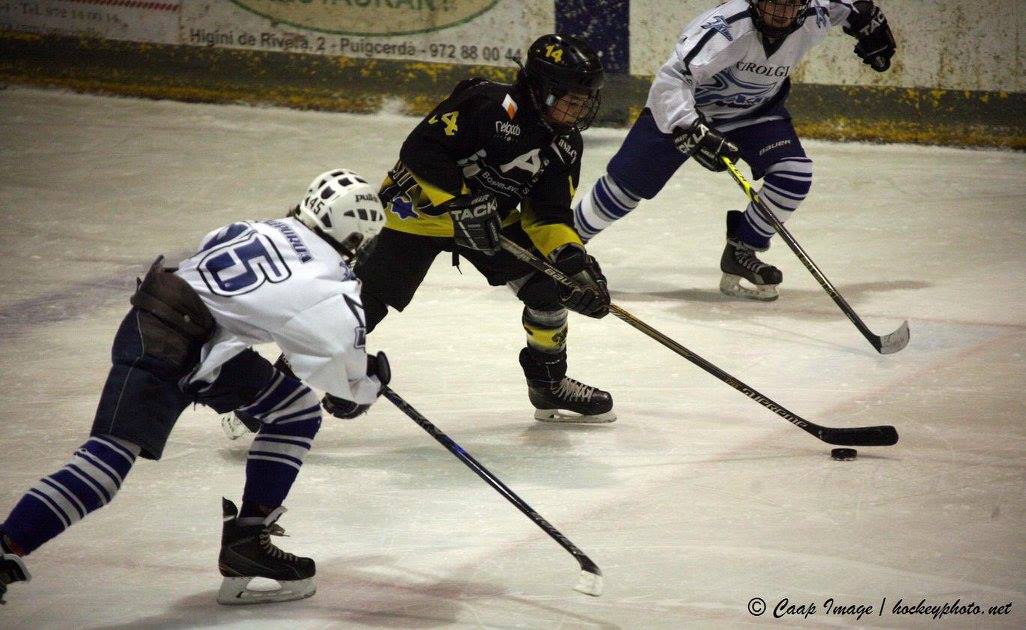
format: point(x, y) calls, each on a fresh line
point(694, 502)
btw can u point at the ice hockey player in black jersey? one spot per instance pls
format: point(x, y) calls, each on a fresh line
point(495, 159)
point(722, 93)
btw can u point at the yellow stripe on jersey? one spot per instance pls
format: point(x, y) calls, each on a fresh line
point(435, 195)
point(424, 224)
point(547, 237)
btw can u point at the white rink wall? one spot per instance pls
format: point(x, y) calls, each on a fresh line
point(943, 44)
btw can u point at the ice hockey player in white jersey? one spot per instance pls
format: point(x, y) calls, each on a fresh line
point(722, 94)
point(187, 340)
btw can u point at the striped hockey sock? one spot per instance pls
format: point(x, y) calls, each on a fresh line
point(607, 202)
point(291, 416)
point(784, 186)
point(86, 483)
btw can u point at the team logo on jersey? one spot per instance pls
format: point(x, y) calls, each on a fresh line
point(567, 149)
point(507, 130)
point(719, 25)
point(402, 206)
point(766, 71)
point(510, 106)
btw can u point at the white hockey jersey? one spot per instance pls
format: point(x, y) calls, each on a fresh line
point(720, 68)
point(277, 281)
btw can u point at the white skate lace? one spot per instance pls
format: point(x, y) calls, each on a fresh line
point(746, 258)
point(574, 390)
point(274, 552)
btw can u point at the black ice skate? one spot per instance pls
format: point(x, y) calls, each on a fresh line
point(739, 262)
point(12, 569)
point(552, 392)
point(247, 553)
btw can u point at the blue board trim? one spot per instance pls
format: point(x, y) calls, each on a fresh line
point(606, 29)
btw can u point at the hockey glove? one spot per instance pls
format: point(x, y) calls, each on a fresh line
point(590, 297)
point(706, 145)
point(347, 409)
point(875, 44)
point(475, 222)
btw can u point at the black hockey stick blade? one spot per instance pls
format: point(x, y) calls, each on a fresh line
point(860, 436)
point(894, 342)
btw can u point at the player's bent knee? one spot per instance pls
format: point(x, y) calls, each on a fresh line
point(242, 380)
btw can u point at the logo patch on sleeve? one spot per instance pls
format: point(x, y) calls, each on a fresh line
point(510, 106)
point(718, 24)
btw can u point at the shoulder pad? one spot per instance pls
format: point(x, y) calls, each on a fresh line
point(476, 88)
point(467, 84)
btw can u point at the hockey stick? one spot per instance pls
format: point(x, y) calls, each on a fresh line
point(590, 582)
point(842, 436)
point(887, 344)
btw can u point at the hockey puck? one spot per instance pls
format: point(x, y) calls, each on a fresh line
point(843, 454)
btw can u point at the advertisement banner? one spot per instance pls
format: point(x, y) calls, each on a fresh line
point(127, 20)
point(481, 32)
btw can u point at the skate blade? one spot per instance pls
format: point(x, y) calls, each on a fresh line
point(731, 285)
point(234, 591)
point(560, 417)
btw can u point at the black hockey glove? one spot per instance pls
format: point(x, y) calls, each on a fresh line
point(706, 145)
point(591, 297)
point(475, 222)
point(347, 409)
point(876, 43)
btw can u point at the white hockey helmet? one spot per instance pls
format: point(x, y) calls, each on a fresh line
point(342, 206)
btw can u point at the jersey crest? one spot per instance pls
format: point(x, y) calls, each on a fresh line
point(402, 207)
point(718, 24)
point(510, 106)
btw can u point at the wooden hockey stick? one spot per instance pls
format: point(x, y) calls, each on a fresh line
point(886, 344)
point(590, 582)
point(843, 436)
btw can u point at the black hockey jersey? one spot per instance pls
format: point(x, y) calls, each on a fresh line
point(487, 137)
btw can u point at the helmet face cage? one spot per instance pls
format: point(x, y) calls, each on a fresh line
point(564, 77)
point(778, 11)
point(341, 206)
point(570, 108)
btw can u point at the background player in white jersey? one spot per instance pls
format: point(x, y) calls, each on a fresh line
point(722, 94)
point(187, 340)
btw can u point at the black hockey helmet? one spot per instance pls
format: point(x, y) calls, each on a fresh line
point(559, 66)
point(777, 19)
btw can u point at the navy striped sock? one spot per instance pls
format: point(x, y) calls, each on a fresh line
point(86, 483)
point(291, 416)
point(784, 186)
point(606, 203)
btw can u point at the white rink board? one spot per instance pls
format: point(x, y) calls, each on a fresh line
point(942, 44)
point(694, 502)
point(137, 21)
point(483, 32)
